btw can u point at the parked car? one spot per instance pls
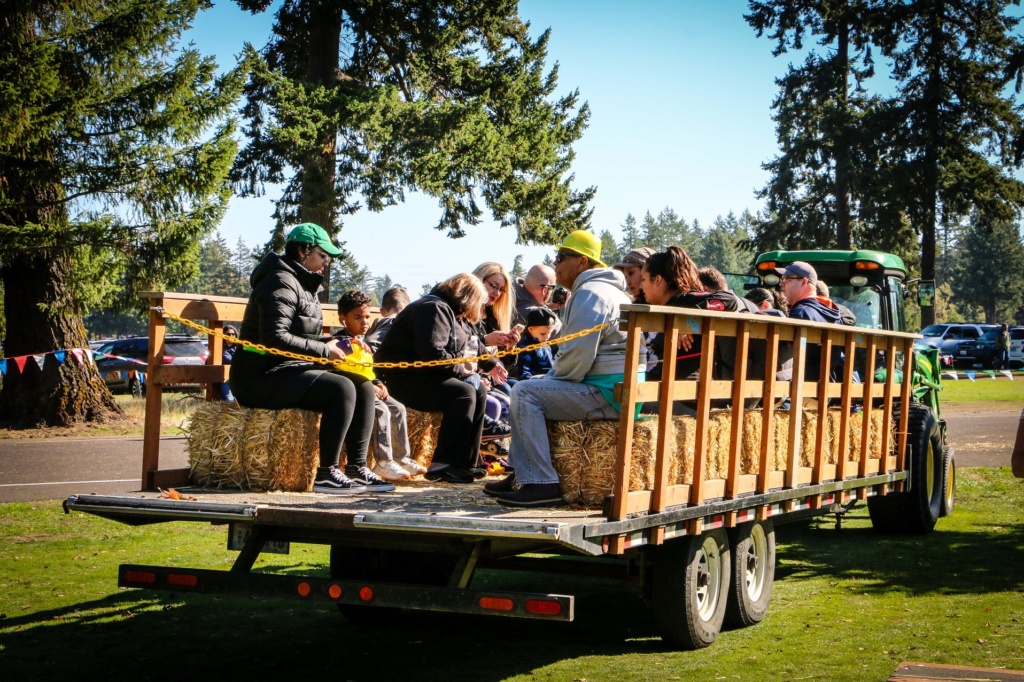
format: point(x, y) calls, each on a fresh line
point(1016, 347)
point(956, 340)
point(122, 362)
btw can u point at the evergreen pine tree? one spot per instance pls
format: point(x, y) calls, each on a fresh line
point(446, 97)
point(111, 172)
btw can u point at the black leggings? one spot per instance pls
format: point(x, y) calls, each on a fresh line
point(462, 406)
point(344, 400)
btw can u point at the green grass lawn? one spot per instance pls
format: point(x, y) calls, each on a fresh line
point(848, 605)
point(983, 390)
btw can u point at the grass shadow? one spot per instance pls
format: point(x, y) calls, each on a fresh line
point(979, 560)
point(142, 635)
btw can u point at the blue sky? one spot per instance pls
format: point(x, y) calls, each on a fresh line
point(680, 95)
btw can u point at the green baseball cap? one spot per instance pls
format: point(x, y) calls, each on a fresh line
point(311, 233)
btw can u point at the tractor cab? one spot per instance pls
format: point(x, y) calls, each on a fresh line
point(869, 283)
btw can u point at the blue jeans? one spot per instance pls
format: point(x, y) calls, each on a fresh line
point(533, 403)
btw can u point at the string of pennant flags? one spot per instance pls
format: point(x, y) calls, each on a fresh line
point(82, 355)
point(972, 375)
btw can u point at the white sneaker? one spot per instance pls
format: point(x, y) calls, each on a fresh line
point(412, 466)
point(389, 470)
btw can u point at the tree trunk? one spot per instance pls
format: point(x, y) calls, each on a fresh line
point(930, 186)
point(842, 155)
point(39, 320)
point(319, 168)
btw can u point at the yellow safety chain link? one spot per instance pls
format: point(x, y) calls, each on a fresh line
point(347, 364)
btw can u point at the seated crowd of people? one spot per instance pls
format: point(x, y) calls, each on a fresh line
point(455, 331)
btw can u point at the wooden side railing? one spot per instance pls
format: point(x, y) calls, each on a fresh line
point(213, 312)
point(879, 349)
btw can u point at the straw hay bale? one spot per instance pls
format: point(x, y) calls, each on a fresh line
point(718, 442)
point(584, 455)
point(230, 446)
point(423, 428)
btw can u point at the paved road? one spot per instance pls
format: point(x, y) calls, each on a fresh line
point(53, 469)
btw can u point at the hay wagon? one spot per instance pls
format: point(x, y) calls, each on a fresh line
point(681, 507)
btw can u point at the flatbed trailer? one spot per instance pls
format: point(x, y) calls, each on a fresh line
point(702, 551)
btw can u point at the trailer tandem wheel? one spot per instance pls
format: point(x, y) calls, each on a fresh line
point(690, 590)
point(753, 573)
point(916, 510)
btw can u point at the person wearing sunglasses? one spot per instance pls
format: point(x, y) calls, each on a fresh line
point(535, 290)
point(581, 382)
point(284, 313)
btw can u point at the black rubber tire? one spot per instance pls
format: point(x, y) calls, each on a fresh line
point(752, 546)
point(691, 588)
point(136, 387)
point(915, 511)
point(948, 481)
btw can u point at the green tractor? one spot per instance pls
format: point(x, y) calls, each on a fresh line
point(873, 285)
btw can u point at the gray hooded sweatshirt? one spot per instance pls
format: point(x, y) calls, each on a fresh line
point(595, 299)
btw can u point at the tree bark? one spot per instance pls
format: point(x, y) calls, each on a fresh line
point(40, 321)
point(319, 168)
point(43, 317)
point(842, 184)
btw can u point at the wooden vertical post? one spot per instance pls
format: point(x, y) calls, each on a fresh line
point(768, 407)
point(665, 400)
point(869, 385)
point(624, 446)
point(890, 384)
point(842, 454)
point(704, 381)
point(738, 407)
point(796, 407)
point(154, 396)
point(905, 393)
point(821, 436)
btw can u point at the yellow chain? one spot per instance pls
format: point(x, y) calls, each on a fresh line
point(348, 364)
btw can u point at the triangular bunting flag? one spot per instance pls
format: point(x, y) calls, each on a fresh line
point(970, 375)
point(1007, 373)
point(991, 373)
point(40, 359)
point(3, 368)
point(89, 355)
point(77, 353)
point(952, 375)
point(60, 355)
point(20, 362)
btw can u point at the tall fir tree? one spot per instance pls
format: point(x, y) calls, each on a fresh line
point(609, 249)
point(632, 237)
point(114, 158)
point(821, 177)
point(450, 98)
point(988, 269)
point(956, 117)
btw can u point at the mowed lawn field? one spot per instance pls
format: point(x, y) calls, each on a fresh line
point(848, 604)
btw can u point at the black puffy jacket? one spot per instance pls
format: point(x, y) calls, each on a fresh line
point(426, 329)
point(283, 312)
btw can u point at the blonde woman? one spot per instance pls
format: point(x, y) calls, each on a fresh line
point(437, 327)
point(495, 326)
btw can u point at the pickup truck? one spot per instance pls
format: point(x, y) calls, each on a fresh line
point(700, 548)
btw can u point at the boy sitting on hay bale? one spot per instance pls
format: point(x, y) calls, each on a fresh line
point(580, 384)
point(390, 431)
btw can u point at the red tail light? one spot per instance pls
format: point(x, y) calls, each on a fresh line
point(543, 607)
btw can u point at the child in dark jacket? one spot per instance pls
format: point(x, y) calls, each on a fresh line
point(540, 323)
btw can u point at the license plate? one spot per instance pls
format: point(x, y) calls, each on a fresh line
point(963, 352)
point(238, 535)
